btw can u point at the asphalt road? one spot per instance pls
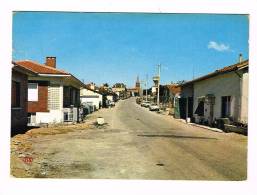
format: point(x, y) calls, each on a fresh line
point(164, 148)
point(138, 144)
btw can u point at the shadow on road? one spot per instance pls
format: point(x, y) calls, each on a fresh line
point(175, 136)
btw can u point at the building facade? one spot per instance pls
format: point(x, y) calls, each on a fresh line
point(89, 96)
point(136, 90)
point(119, 89)
point(53, 95)
point(220, 94)
point(19, 101)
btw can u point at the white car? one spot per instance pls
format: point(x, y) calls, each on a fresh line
point(147, 105)
point(154, 107)
point(143, 104)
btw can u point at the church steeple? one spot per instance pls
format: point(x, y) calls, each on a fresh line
point(137, 82)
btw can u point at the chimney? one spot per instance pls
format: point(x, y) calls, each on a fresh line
point(240, 58)
point(51, 61)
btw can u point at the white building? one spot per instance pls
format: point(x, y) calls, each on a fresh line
point(220, 94)
point(92, 97)
point(53, 95)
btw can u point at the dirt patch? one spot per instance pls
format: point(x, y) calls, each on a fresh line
point(61, 129)
point(25, 162)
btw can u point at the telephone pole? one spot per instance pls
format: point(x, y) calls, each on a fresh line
point(146, 85)
point(159, 75)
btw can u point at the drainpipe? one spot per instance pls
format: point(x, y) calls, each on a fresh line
point(240, 96)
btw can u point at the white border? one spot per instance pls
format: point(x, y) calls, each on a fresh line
point(10, 185)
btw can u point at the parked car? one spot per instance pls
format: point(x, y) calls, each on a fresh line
point(154, 107)
point(112, 104)
point(142, 103)
point(145, 103)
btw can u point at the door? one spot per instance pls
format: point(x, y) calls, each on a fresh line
point(183, 107)
point(211, 113)
point(225, 106)
point(190, 107)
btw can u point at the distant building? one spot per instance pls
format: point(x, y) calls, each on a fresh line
point(119, 89)
point(90, 96)
point(136, 90)
point(91, 86)
point(138, 85)
point(108, 96)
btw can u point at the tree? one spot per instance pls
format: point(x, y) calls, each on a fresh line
point(181, 82)
point(106, 85)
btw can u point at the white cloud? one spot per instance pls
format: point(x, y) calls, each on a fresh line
point(218, 46)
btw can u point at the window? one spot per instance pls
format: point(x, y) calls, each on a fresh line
point(33, 92)
point(16, 94)
point(225, 106)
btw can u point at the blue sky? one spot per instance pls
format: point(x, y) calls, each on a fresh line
point(116, 47)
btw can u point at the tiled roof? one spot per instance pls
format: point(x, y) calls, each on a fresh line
point(22, 70)
point(173, 88)
point(226, 69)
point(39, 68)
point(88, 88)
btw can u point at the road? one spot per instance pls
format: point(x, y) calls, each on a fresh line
point(138, 144)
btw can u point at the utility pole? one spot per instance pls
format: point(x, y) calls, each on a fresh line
point(146, 85)
point(142, 83)
point(159, 75)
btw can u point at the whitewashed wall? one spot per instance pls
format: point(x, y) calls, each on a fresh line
point(95, 99)
point(223, 85)
point(244, 98)
point(53, 116)
point(55, 96)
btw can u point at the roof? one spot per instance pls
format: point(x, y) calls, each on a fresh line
point(106, 92)
point(23, 70)
point(234, 67)
point(39, 68)
point(174, 88)
point(88, 88)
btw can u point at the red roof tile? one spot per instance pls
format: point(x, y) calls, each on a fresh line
point(174, 88)
point(39, 68)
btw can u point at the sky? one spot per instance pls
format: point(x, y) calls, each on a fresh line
point(118, 47)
